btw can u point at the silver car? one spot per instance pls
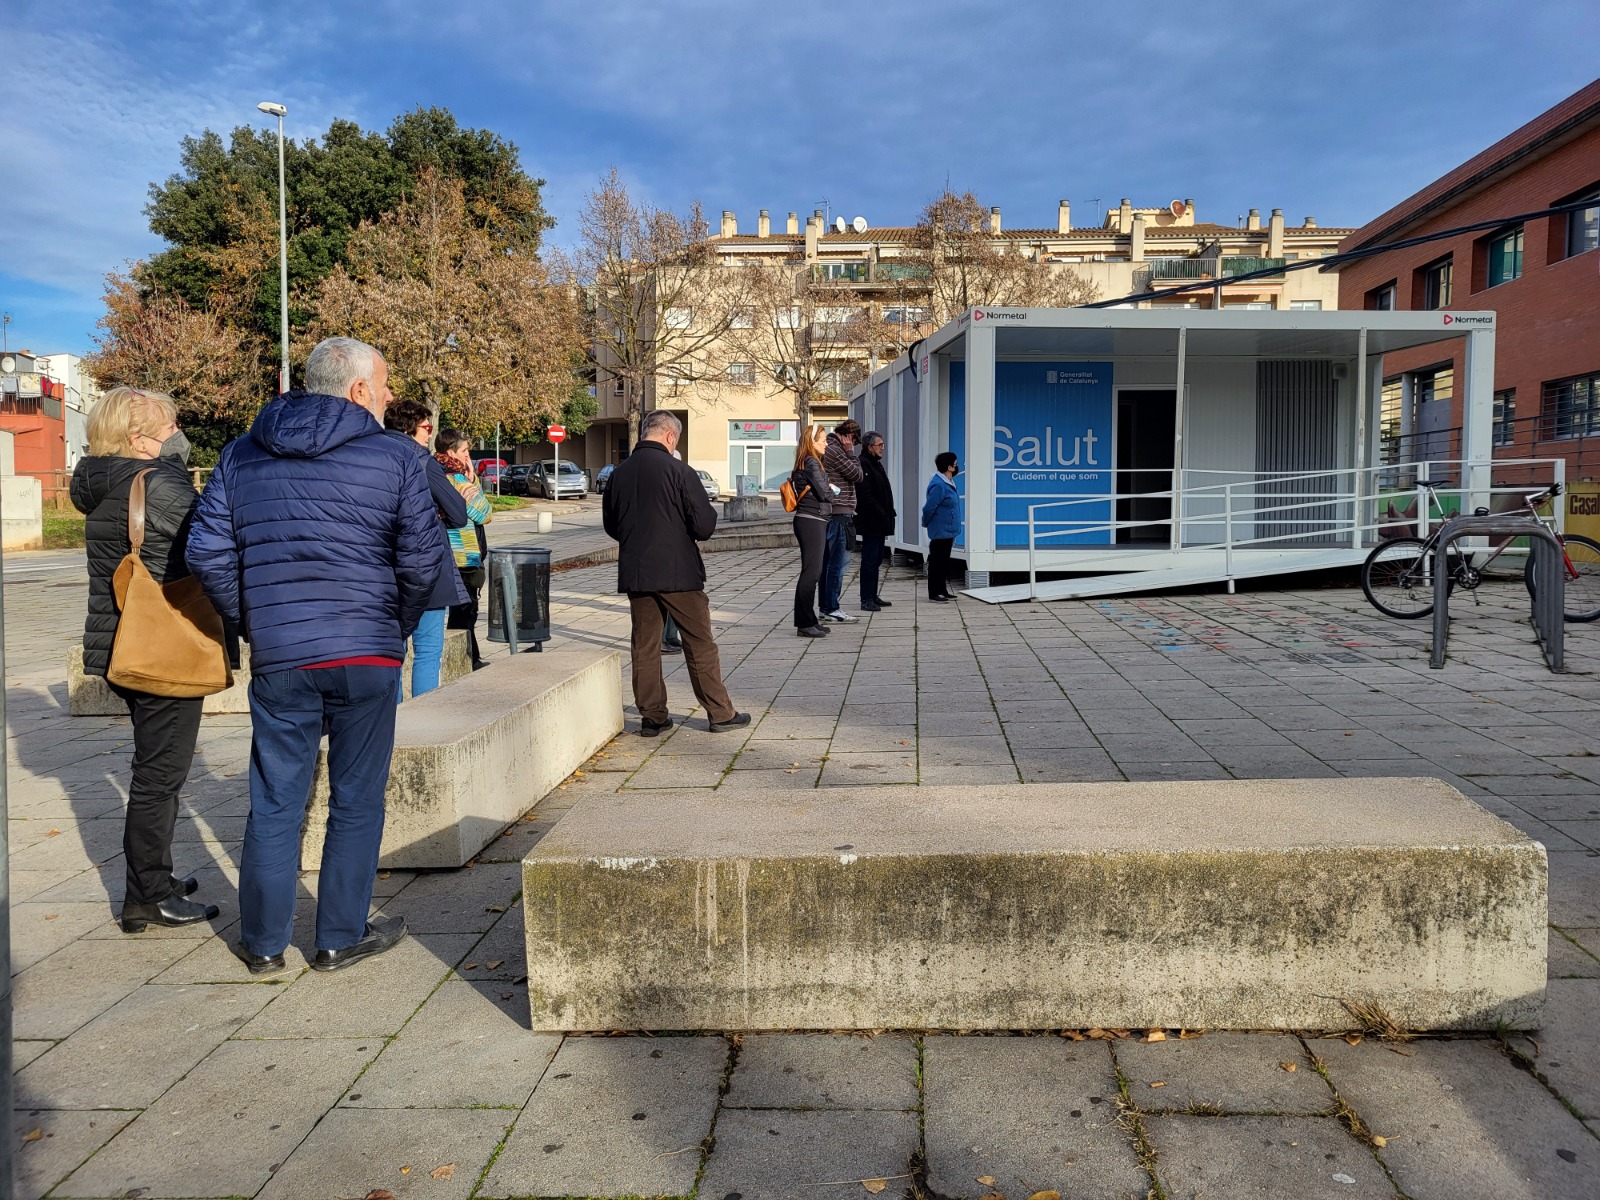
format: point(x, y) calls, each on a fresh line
point(572, 481)
point(708, 483)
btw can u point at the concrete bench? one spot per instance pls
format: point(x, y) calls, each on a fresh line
point(88, 695)
point(1222, 905)
point(477, 754)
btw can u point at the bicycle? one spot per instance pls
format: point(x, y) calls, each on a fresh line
point(1397, 577)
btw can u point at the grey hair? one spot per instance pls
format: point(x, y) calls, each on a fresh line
point(871, 438)
point(336, 363)
point(659, 420)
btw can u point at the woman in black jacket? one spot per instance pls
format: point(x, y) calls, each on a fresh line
point(874, 519)
point(810, 484)
point(132, 431)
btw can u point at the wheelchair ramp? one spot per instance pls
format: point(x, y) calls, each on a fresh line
point(1251, 565)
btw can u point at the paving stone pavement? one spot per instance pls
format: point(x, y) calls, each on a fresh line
point(153, 1066)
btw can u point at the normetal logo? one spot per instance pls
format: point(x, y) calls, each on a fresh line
point(1454, 320)
point(979, 314)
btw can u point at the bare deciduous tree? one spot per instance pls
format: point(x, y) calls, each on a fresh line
point(804, 337)
point(965, 266)
point(469, 325)
point(657, 301)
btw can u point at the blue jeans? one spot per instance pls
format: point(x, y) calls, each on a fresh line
point(289, 712)
point(833, 557)
point(427, 652)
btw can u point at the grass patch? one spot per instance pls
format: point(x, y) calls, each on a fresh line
point(1375, 1022)
point(63, 529)
point(505, 503)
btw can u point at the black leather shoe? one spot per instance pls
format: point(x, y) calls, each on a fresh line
point(811, 631)
point(187, 886)
point(672, 647)
point(871, 608)
point(940, 599)
point(737, 721)
point(649, 728)
point(259, 964)
point(882, 603)
point(382, 935)
point(174, 910)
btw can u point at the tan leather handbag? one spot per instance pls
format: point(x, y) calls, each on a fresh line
point(169, 638)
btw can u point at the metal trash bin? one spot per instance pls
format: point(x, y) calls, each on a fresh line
point(519, 584)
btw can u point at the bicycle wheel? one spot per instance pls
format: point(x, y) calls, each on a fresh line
point(1398, 578)
point(1581, 603)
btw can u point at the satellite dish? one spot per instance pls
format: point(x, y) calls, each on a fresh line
point(859, 224)
point(1177, 208)
point(838, 224)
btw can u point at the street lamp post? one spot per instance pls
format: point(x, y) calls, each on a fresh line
point(278, 110)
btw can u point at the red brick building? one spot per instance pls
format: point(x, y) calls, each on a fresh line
point(1541, 276)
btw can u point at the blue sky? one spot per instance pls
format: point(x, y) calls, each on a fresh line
point(1336, 109)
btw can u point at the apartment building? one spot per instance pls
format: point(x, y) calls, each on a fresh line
point(1539, 275)
point(741, 420)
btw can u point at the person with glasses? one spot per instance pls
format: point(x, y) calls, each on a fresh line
point(410, 421)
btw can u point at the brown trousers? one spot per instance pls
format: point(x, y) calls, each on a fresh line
point(692, 612)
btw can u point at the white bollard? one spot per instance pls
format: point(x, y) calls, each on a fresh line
point(547, 522)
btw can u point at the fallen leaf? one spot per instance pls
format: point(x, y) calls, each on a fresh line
point(495, 908)
point(33, 1135)
point(986, 1180)
point(1155, 1035)
point(505, 995)
point(51, 916)
point(1380, 1142)
point(1100, 1035)
point(1159, 1083)
point(1290, 1067)
point(1185, 1035)
point(1051, 1195)
point(405, 1170)
point(874, 1185)
point(444, 1172)
point(1353, 1038)
point(1073, 1034)
point(383, 874)
point(469, 966)
point(379, 1194)
point(54, 833)
point(495, 962)
point(1120, 1033)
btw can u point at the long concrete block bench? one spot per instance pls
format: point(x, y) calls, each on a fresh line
point(1260, 904)
point(477, 754)
point(88, 695)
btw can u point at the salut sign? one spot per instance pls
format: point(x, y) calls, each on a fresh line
point(1052, 441)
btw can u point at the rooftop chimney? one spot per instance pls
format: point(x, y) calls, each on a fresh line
point(1136, 239)
point(1311, 223)
point(1063, 217)
point(764, 224)
point(994, 220)
point(813, 235)
point(1275, 234)
point(1125, 216)
point(794, 224)
point(1188, 210)
point(1255, 219)
point(730, 226)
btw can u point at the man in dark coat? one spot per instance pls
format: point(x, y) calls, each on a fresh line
point(874, 518)
point(316, 535)
point(657, 510)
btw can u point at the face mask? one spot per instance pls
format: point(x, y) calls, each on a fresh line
point(177, 446)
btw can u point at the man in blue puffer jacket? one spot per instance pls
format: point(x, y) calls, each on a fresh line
point(317, 536)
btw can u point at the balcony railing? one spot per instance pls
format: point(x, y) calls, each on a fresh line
point(1186, 269)
point(839, 272)
point(881, 274)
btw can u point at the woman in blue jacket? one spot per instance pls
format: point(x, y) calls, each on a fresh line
point(941, 517)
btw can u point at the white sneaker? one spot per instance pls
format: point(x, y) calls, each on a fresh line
point(840, 616)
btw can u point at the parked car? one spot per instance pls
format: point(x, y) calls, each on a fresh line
point(514, 480)
point(489, 470)
point(709, 483)
point(542, 480)
point(603, 477)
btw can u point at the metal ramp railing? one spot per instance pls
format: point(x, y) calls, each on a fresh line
point(1310, 526)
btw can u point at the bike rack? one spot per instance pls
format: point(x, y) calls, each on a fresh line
point(1549, 581)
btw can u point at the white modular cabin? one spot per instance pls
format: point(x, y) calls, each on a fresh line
point(1201, 445)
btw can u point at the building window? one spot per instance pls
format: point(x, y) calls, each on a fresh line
point(1391, 414)
point(742, 318)
point(907, 315)
point(676, 376)
point(678, 318)
point(1505, 258)
point(742, 374)
point(1428, 386)
point(618, 387)
point(1583, 225)
point(1505, 416)
point(1382, 299)
point(1433, 285)
point(1305, 305)
point(786, 318)
point(1570, 408)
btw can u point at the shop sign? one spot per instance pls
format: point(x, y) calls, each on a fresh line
point(755, 431)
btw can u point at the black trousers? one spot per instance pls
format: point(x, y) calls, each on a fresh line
point(164, 733)
point(465, 616)
point(939, 566)
point(813, 537)
point(872, 551)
